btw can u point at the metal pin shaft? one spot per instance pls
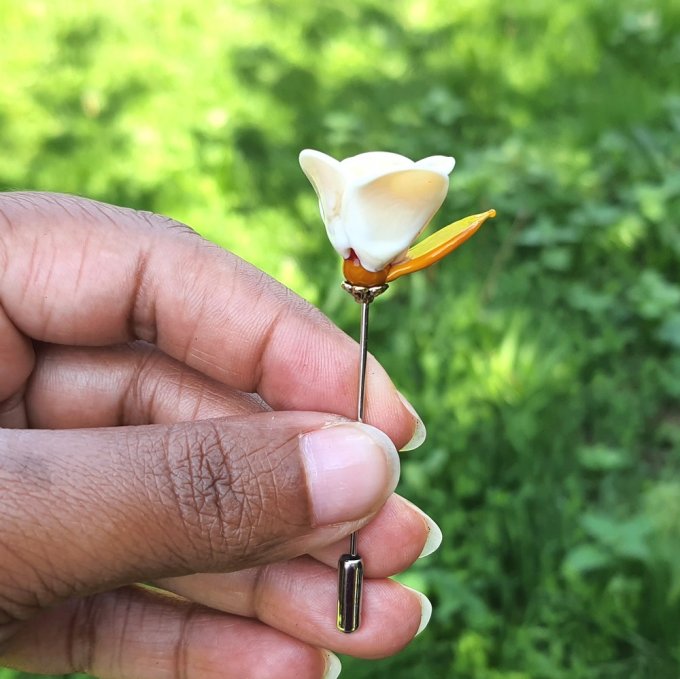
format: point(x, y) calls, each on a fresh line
point(361, 400)
point(350, 566)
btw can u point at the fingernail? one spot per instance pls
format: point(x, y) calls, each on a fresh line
point(419, 433)
point(425, 609)
point(351, 469)
point(434, 532)
point(333, 666)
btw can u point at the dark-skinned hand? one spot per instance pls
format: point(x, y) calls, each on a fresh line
point(170, 415)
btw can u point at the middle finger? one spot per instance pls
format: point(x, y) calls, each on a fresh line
point(127, 384)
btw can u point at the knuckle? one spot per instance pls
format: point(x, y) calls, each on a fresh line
point(209, 481)
point(143, 312)
point(232, 499)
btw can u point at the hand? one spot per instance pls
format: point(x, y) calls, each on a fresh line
point(171, 415)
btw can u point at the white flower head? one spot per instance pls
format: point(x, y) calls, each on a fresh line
point(376, 204)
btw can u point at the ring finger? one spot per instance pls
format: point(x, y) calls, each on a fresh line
point(298, 598)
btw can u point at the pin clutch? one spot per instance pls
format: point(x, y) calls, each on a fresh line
point(374, 206)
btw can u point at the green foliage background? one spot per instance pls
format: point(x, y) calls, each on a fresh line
point(544, 357)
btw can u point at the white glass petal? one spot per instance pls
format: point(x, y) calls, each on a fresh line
point(383, 217)
point(367, 166)
point(442, 164)
point(326, 176)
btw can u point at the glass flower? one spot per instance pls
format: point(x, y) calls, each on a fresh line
point(375, 205)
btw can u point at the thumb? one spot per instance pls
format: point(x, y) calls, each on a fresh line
point(87, 510)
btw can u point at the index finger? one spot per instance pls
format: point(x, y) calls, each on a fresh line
point(76, 271)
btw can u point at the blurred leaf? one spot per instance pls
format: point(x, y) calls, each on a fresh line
point(603, 458)
point(669, 330)
point(625, 538)
point(583, 559)
point(654, 296)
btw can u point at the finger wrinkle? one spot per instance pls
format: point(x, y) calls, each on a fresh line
point(72, 206)
point(38, 279)
point(260, 286)
point(125, 607)
point(240, 489)
point(84, 252)
point(142, 319)
point(193, 334)
point(103, 209)
point(169, 477)
point(198, 395)
point(198, 310)
point(219, 477)
point(206, 484)
point(140, 395)
point(259, 587)
point(163, 222)
point(266, 343)
point(182, 646)
point(157, 478)
point(81, 639)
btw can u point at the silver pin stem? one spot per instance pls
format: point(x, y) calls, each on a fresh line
point(351, 566)
point(361, 401)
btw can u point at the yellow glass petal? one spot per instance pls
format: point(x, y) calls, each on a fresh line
point(438, 245)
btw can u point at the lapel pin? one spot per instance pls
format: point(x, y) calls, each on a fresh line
point(374, 206)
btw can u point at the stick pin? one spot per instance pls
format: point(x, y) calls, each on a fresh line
point(374, 206)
